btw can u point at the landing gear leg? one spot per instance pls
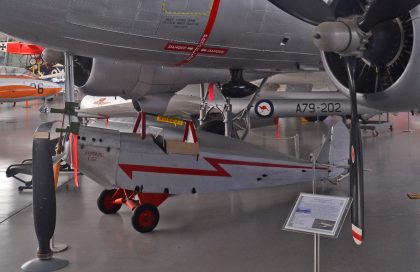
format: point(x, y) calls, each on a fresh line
point(146, 214)
point(227, 118)
point(44, 108)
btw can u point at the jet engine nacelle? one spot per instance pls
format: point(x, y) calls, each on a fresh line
point(108, 77)
point(387, 74)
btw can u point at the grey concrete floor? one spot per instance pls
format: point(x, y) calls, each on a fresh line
point(239, 231)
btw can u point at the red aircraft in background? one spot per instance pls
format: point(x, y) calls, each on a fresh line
point(20, 48)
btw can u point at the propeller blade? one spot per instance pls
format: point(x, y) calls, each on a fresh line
point(313, 12)
point(44, 204)
point(384, 10)
point(356, 159)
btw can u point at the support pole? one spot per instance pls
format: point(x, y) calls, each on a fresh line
point(68, 97)
point(297, 143)
point(69, 70)
point(408, 124)
point(203, 105)
point(228, 118)
point(317, 238)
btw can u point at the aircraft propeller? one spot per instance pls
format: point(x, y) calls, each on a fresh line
point(44, 201)
point(348, 37)
point(316, 12)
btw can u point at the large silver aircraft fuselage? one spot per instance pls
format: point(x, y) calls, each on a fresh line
point(250, 34)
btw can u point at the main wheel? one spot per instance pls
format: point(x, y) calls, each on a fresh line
point(145, 218)
point(106, 202)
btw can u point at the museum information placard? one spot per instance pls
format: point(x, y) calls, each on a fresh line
point(318, 214)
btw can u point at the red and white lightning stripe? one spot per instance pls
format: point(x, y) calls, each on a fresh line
point(357, 235)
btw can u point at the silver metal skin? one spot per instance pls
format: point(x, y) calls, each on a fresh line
point(184, 103)
point(139, 30)
point(98, 154)
point(111, 77)
point(119, 150)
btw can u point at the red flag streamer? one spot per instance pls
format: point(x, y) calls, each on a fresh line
point(75, 161)
point(211, 92)
point(71, 149)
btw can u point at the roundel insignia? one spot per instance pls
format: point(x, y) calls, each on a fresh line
point(264, 108)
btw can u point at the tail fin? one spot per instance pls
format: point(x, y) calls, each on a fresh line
point(335, 151)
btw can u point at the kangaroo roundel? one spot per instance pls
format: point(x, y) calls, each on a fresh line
point(264, 108)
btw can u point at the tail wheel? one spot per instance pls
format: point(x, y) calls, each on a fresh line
point(106, 202)
point(145, 218)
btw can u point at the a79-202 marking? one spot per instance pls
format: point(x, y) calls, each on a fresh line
point(323, 107)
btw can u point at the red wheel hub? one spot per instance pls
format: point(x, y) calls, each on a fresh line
point(147, 219)
point(109, 202)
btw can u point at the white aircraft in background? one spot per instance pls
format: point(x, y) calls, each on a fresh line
point(23, 86)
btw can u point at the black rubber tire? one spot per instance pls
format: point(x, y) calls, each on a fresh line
point(104, 202)
point(145, 218)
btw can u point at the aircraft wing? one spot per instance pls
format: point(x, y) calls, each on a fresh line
point(116, 107)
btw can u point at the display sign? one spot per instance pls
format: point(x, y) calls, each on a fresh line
point(318, 214)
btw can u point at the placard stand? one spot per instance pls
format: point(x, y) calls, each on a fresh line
point(318, 215)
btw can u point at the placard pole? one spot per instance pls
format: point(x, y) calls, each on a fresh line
point(409, 130)
point(317, 238)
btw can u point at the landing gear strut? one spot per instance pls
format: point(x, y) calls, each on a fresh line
point(232, 122)
point(146, 214)
point(44, 108)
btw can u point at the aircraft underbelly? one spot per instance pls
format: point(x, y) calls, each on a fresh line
point(250, 34)
point(244, 33)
